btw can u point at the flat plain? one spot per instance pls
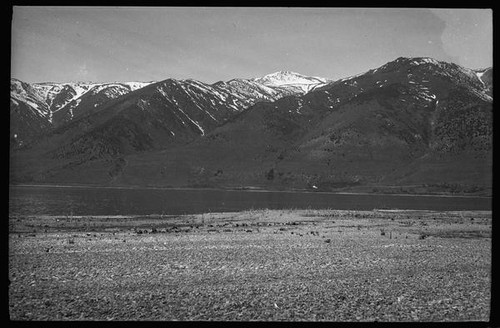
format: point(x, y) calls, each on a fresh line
point(264, 265)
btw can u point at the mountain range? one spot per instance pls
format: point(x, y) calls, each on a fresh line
point(411, 125)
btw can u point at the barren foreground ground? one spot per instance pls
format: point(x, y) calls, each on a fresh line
point(254, 265)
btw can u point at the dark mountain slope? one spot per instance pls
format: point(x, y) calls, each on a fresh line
point(109, 122)
point(405, 123)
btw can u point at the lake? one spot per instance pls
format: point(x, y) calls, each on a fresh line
point(73, 200)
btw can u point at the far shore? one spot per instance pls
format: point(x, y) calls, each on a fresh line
point(340, 191)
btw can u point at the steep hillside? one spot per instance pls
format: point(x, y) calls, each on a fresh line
point(38, 108)
point(486, 76)
point(89, 101)
point(56, 104)
point(29, 114)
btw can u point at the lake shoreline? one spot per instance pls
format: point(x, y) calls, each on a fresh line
point(292, 265)
point(341, 191)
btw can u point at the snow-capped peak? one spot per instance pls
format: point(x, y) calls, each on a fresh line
point(290, 79)
point(286, 77)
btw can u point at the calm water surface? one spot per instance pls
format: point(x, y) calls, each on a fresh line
point(54, 200)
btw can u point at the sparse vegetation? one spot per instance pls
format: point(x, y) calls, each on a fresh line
point(219, 271)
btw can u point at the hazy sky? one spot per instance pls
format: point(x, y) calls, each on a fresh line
point(102, 44)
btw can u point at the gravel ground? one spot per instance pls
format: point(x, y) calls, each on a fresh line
point(270, 265)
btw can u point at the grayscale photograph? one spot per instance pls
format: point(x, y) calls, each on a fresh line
point(250, 164)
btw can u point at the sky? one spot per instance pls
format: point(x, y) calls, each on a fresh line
point(210, 44)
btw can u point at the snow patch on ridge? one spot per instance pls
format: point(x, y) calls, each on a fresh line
point(136, 85)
